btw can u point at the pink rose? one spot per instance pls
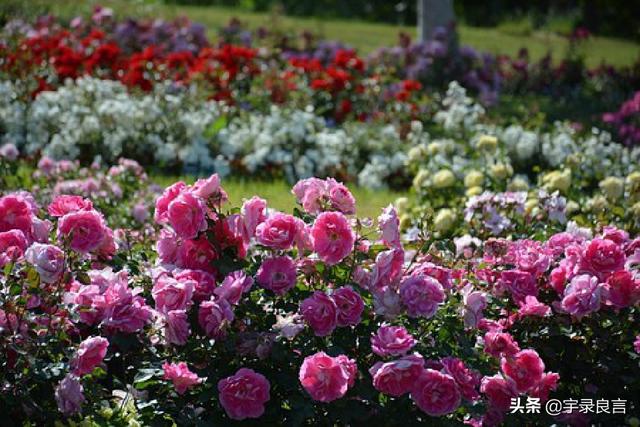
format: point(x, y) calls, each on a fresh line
point(636, 344)
point(206, 188)
point(435, 393)
point(441, 274)
point(89, 355)
point(119, 308)
point(12, 246)
point(64, 204)
point(48, 261)
point(622, 289)
point(233, 286)
point(186, 215)
point(389, 225)
point(69, 395)
point(86, 230)
point(176, 327)
point(196, 254)
point(9, 151)
point(325, 378)
point(244, 394)
point(467, 379)
point(213, 316)
point(525, 368)
point(582, 296)
point(392, 341)
point(161, 215)
point(311, 193)
point(349, 304)
point(320, 312)
point(558, 279)
point(530, 256)
point(557, 243)
point(171, 294)
point(40, 230)
point(499, 391)
point(602, 257)
point(396, 378)
point(278, 231)
point(532, 307)
point(548, 383)
point(167, 246)
point(340, 198)
point(277, 274)
point(387, 269)
point(421, 295)
point(15, 214)
point(332, 236)
point(499, 344)
point(473, 305)
point(386, 303)
point(182, 378)
point(205, 283)
point(253, 214)
point(519, 284)
point(615, 234)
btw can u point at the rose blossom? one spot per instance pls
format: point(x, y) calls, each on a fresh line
point(196, 254)
point(532, 307)
point(86, 230)
point(48, 260)
point(530, 256)
point(474, 302)
point(435, 393)
point(622, 289)
point(311, 194)
point(206, 188)
point(233, 286)
point(525, 368)
point(167, 246)
point(278, 231)
point(320, 312)
point(602, 257)
point(499, 391)
point(636, 344)
point(349, 304)
point(182, 378)
point(389, 225)
point(253, 214)
point(332, 236)
point(519, 284)
point(162, 203)
point(205, 283)
point(176, 327)
point(499, 344)
point(396, 378)
point(64, 204)
point(340, 198)
point(213, 316)
point(244, 394)
point(277, 274)
point(387, 269)
point(582, 296)
point(89, 355)
point(326, 378)
point(421, 295)
point(69, 395)
point(467, 379)
point(186, 215)
point(392, 341)
point(12, 246)
point(15, 214)
point(548, 383)
point(171, 294)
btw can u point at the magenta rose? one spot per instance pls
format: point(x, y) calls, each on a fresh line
point(530, 256)
point(421, 295)
point(244, 394)
point(182, 378)
point(500, 344)
point(435, 393)
point(392, 341)
point(320, 312)
point(15, 214)
point(186, 214)
point(546, 385)
point(62, 205)
point(499, 391)
point(213, 316)
point(636, 344)
point(277, 274)
point(85, 229)
point(525, 368)
point(233, 286)
point(176, 327)
point(622, 289)
point(468, 380)
point(209, 188)
point(582, 296)
point(519, 284)
point(278, 231)
point(350, 306)
point(167, 246)
point(12, 246)
point(161, 215)
point(205, 283)
point(340, 198)
point(332, 237)
point(196, 254)
point(89, 355)
point(325, 378)
point(396, 378)
point(602, 257)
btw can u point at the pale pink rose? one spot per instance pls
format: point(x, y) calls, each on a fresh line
point(85, 229)
point(214, 316)
point(519, 284)
point(15, 214)
point(205, 188)
point(468, 380)
point(387, 269)
point(65, 204)
point(244, 394)
point(324, 377)
point(186, 214)
point(205, 283)
point(582, 296)
point(332, 236)
point(83, 297)
point(40, 230)
point(530, 256)
point(525, 368)
point(392, 341)
point(473, 305)
point(161, 214)
point(441, 274)
point(499, 391)
point(499, 344)
point(350, 306)
point(9, 151)
point(289, 326)
point(89, 355)
point(140, 212)
point(277, 274)
point(69, 395)
point(176, 327)
point(389, 225)
point(622, 289)
point(253, 213)
point(602, 257)
point(171, 294)
point(387, 303)
point(119, 308)
point(278, 231)
point(48, 261)
point(350, 366)
point(182, 378)
point(320, 312)
point(532, 307)
point(547, 384)
point(636, 344)
point(435, 393)
point(311, 194)
point(167, 246)
point(340, 198)
point(233, 286)
point(396, 378)
point(12, 246)
point(196, 254)
point(421, 295)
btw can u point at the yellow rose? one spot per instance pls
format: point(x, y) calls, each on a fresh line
point(633, 181)
point(444, 179)
point(557, 180)
point(434, 148)
point(501, 171)
point(635, 210)
point(473, 179)
point(598, 203)
point(444, 220)
point(416, 153)
point(612, 187)
point(518, 184)
point(488, 143)
point(572, 207)
point(421, 178)
point(530, 205)
point(473, 191)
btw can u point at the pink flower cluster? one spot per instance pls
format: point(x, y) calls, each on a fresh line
point(324, 312)
point(318, 195)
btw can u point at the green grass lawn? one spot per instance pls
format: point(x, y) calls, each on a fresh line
point(278, 194)
point(365, 36)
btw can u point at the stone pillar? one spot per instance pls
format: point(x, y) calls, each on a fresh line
point(432, 14)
